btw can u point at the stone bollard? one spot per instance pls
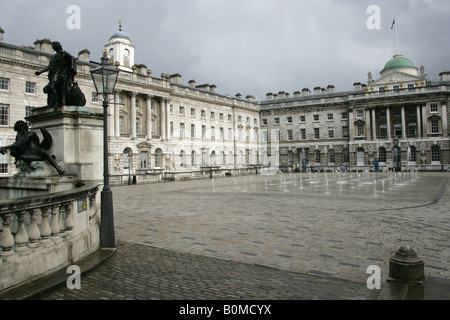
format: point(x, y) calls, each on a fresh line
point(406, 276)
point(405, 266)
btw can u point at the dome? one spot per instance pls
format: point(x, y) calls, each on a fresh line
point(398, 62)
point(120, 34)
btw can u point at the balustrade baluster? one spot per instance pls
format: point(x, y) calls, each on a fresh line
point(45, 228)
point(33, 231)
point(21, 237)
point(7, 243)
point(54, 224)
point(62, 221)
point(69, 218)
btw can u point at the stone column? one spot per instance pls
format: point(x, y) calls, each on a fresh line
point(374, 124)
point(368, 124)
point(388, 122)
point(167, 102)
point(163, 120)
point(403, 122)
point(419, 122)
point(424, 120)
point(149, 117)
point(350, 123)
point(133, 115)
point(116, 114)
point(444, 118)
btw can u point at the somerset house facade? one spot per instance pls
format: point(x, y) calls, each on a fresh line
point(158, 124)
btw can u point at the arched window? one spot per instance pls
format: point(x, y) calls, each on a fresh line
point(360, 157)
point(290, 157)
point(213, 158)
point(435, 154)
point(331, 156)
point(158, 158)
point(182, 158)
point(127, 156)
point(412, 154)
point(346, 155)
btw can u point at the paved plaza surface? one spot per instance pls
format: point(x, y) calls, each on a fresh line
point(284, 236)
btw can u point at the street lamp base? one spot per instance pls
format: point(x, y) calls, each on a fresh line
point(107, 236)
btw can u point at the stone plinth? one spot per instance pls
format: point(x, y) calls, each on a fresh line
point(77, 134)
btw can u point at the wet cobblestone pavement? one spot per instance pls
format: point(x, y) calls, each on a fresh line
point(291, 236)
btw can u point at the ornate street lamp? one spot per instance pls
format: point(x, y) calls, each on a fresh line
point(105, 78)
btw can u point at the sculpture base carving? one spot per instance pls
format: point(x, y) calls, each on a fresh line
point(38, 169)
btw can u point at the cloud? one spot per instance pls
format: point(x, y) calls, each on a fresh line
point(247, 46)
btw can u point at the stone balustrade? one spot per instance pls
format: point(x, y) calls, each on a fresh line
point(52, 225)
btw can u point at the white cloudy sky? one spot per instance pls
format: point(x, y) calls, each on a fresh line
point(246, 46)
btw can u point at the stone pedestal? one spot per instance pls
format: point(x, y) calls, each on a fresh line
point(77, 134)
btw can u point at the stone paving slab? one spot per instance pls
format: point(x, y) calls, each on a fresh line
point(270, 237)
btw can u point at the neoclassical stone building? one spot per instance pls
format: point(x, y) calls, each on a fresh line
point(399, 120)
point(159, 124)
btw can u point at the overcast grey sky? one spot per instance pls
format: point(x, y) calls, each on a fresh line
point(247, 46)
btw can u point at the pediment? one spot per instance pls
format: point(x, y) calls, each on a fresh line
point(144, 145)
point(395, 77)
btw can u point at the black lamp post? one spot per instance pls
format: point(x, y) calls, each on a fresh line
point(105, 78)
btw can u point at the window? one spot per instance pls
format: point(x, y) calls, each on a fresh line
point(121, 124)
point(290, 157)
point(126, 160)
point(290, 135)
point(317, 156)
point(344, 115)
point(213, 158)
point(221, 133)
point(202, 113)
point(434, 126)
point(213, 133)
point(193, 158)
point(435, 154)
point(4, 114)
point(136, 103)
point(239, 118)
point(230, 134)
point(345, 131)
point(122, 101)
point(29, 112)
point(213, 115)
point(346, 155)
point(264, 121)
point(383, 131)
point(382, 89)
point(247, 119)
point(411, 111)
point(158, 157)
point(181, 111)
point(94, 97)
point(410, 86)
point(221, 116)
point(412, 154)
point(302, 119)
point(181, 130)
point(412, 129)
point(360, 157)
point(229, 117)
point(331, 156)
point(3, 160)
point(359, 113)
point(192, 112)
point(316, 133)
point(276, 120)
point(138, 124)
point(316, 117)
point(4, 84)
point(144, 158)
point(382, 154)
point(182, 158)
point(398, 129)
point(192, 130)
point(360, 132)
point(383, 113)
point(330, 116)
point(330, 133)
point(203, 132)
point(289, 120)
point(30, 87)
point(396, 88)
point(303, 134)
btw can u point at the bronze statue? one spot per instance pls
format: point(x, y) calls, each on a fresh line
point(27, 147)
point(62, 88)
